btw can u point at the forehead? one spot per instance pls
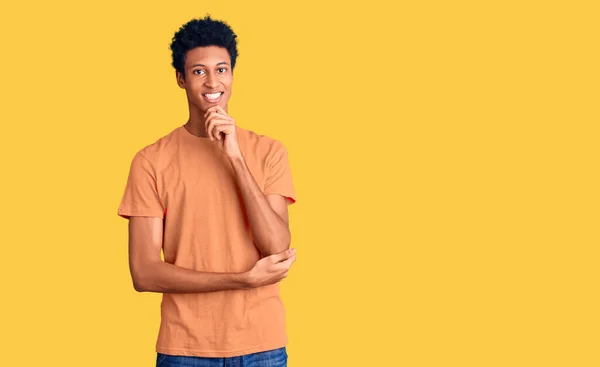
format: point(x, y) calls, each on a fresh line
point(209, 56)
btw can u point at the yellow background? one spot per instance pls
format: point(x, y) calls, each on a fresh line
point(444, 154)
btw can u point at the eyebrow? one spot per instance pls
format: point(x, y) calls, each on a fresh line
point(222, 62)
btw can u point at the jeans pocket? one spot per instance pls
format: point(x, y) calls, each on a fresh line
point(279, 356)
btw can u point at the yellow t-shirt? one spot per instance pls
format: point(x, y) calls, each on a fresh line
point(189, 182)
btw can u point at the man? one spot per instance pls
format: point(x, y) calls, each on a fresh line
point(214, 197)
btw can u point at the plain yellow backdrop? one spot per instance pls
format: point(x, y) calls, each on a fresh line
point(444, 154)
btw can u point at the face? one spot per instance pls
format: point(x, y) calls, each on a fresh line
point(207, 71)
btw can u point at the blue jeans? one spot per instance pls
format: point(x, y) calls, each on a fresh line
point(270, 358)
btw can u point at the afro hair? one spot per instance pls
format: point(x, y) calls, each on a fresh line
point(201, 33)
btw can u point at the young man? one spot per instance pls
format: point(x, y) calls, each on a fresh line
point(213, 196)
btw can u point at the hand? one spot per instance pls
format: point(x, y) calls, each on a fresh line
point(271, 269)
point(220, 127)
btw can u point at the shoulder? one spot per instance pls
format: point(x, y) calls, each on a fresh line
point(155, 150)
point(262, 143)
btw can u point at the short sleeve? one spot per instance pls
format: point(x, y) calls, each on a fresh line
point(278, 175)
point(141, 195)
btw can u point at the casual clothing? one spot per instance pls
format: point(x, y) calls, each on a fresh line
point(189, 182)
point(271, 358)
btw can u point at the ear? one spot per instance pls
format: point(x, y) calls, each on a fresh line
point(180, 79)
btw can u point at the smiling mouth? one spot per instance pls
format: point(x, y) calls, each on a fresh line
point(212, 97)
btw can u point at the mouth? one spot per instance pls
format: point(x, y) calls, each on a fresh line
point(212, 97)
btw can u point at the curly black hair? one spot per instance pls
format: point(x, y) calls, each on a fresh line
point(200, 33)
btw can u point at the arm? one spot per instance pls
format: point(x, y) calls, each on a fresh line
point(150, 274)
point(267, 214)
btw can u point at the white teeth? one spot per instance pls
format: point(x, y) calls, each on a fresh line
point(213, 96)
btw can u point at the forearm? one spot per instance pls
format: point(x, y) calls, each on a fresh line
point(163, 277)
point(269, 231)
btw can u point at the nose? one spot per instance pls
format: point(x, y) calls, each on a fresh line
point(210, 81)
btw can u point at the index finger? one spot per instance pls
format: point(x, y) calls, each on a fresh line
point(209, 110)
point(221, 109)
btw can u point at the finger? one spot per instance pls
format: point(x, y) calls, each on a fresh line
point(214, 131)
point(282, 255)
point(219, 127)
point(217, 113)
point(214, 110)
point(208, 114)
point(209, 110)
point(225, 128)
point(210, 121)
point(221, 109)
point(214, 114)
point(286, 264)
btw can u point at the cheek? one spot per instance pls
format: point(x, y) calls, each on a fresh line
point(195, 90)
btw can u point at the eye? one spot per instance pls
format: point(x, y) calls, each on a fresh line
point(224, 69)
point(196, 71)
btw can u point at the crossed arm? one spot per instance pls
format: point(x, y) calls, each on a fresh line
point(268, 217)
point(151, 274)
